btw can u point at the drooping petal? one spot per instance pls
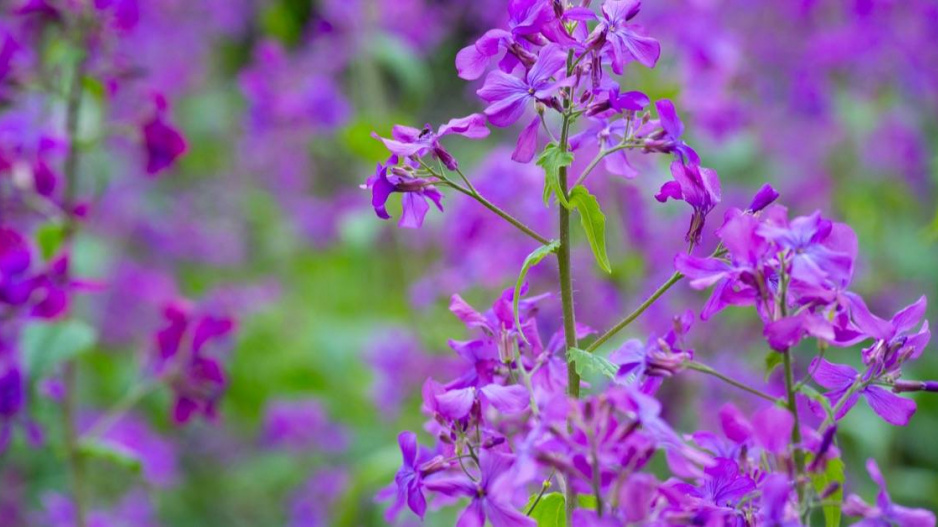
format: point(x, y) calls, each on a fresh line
point(832, 376)
point(414, 209)
point(471, 126)
point(527, 142)
point(773, 427)
point(894, 409)
point(507, 399)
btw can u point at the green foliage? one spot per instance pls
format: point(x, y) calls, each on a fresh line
point(772, 360)
point(594, 223)
point(94, 449)
point(834, 473)
point(552, 159)
point(45, 346)
point(49, 238)
point(532, 259)
point(584, 361)
point(550, 510)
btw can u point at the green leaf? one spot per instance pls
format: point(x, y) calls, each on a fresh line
point(49, 238)
point(46, 345)
point(533, 259)
point(833, 474)
point(584, 361)
point(552, 159)
point(594, 223)
point(772, 361)
point(550, 511)
point(107, 451)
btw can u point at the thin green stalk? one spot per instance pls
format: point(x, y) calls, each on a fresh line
point(544, 487)
point(133, 396)
point(69, 404)
point(566, 284)
point(675, 278)
point(796, 429)
point(600, 156)
point(703, 368)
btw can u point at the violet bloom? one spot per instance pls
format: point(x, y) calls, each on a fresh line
point(821, 250)
point(625, 41)
point(389, 180)
point(407, 142)
point(197, 380)
point(607, 134)
point(302, 426)
point(163, 142)
point(648, 364)
point(738, 282)
point(699, 187)
point(838, 378)
point(409, 478)
point(509, 96)
point(721, 489)
point(11, 402)
point(885, 513)
point(895, 342)
point(491, 495)
point(673, 129)
point(526, 18)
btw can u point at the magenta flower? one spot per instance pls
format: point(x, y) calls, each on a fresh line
point(624, 41)
point(12, 405)
point(509, 96)
point(838, 378)
point(410, 142)
point(409, 478)
point(163, 142)
point(885, 513)
point(526, 19)
point(491, 495)
point(673, 129)
point(699, 187)
point(415, 191)
point(197, 379)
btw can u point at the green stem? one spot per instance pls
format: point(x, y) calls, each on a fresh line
point(675, 278)
point(544, 487)
point(70, 402)
point(703, 368)
point(796, 429)
point(566, 284)
point(133, 396)
point(600, 156)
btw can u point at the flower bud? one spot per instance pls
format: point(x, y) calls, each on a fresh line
point(915, 386)
point(763, 198)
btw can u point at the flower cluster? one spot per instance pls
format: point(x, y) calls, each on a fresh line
point(513, 425)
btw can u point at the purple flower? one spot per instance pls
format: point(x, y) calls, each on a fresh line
point(416, 192)
point(697, 186)
point(163, 142)
point(526, 19)
point(409, 478)
point(885, 513)
point(838, 378)
point(659, 358)
point(509, 96)
point(820, 249)
point(722, 487)
point(410, 142)
point(312, 503)
point(625, 41)
point(673, 129)
point(197, 380)
point(895, 343)
point(490, 495)
point(302, 426)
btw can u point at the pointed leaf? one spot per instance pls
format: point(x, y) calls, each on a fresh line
point(550, 510)
point(532, 259)
point(584, 361)
point(821, 481)
point(552, 159)
point(594, 223)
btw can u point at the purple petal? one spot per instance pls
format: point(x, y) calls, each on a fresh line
point(527, 142)
point(408, 443)
point(670, 121)
point(832, 376)
point(414, 210)
point(507, 399)
point(892, 408)
point(472, 126)
point(772, 428)
point(909, 317)
point(455, 404)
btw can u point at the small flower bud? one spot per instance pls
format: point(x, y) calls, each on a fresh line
point(826, 443)
point(829, 490)
point(915, 386)
point(763, 198)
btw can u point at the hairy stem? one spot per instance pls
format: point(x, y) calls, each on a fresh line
point(703, 368)
point(602, 155)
